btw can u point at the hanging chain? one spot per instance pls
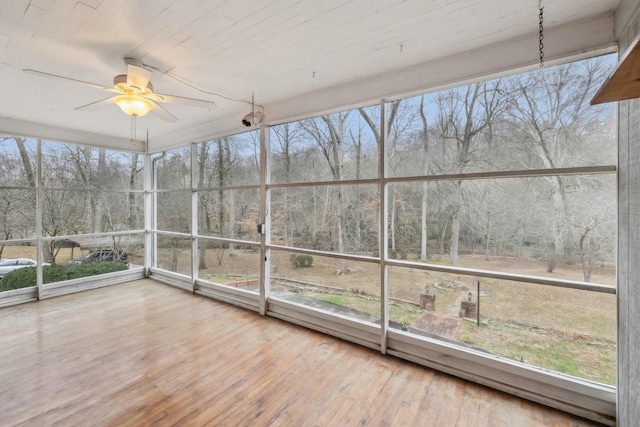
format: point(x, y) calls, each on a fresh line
point(540, 32)
point(133, 129)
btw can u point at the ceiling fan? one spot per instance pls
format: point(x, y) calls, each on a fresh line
point(135, 95)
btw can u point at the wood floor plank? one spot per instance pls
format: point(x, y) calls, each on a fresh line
point(144, 353)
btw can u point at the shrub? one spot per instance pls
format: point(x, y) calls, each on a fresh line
point(298, 260)
point(393, 254)
point(25, 277)
point(21, 278)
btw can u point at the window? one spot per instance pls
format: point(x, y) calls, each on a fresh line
point(502, 211)
point(500, 207)
point(228, 204)
point(88, 197)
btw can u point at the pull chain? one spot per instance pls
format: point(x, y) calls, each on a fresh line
point(540, 32)
point(133, 129)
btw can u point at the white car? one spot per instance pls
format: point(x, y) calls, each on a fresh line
point(10, 264)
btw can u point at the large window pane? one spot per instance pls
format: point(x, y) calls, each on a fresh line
point(121, 211)
point(173, 169)
point(229, 264)
point(65, 212)
point(336, 147)
point(174, 211)
point(346, 287)
point(75, 166)
point(337, 218)
point(538, 120)
point(17, 214)
point(79, 211)
point(565, 330)
point(174, 254)
point(234, 160)
point(557, 226)
point(229, 213)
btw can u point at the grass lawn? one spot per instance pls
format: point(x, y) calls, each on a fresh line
point(563, 330)
point(574, 354)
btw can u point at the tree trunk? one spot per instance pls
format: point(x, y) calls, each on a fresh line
point(392, 218)
point(314, 216)
point(455, 224)
point(98, 208)
point(444, 222)
point(26, 163)
point(133, 172)
point(203, 217)
point(342, 229)
point(455, 238)
point(424, 235)
point(487, 250)
point(232, 204)
point(358, 210)
point(563, 220)
point(232, 221)
point(221, 177)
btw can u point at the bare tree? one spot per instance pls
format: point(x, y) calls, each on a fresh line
point(286, 137)
point(464, 115)
point(134, 172)
point(26, 162)
point(232, 199)
point(549, 108)
point(203, 218)
point(17, 171)
point(424, 137)
point(329, 132)
point(395, 125)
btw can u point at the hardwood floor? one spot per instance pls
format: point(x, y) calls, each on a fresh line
point(144, 353)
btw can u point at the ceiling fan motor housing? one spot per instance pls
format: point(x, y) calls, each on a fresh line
point(120, 82)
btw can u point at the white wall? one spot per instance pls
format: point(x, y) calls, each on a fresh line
point(627, 28)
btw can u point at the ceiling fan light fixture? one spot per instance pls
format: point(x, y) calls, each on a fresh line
point(133, 105)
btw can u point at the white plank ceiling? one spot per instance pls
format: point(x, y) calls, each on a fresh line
point(297, 57)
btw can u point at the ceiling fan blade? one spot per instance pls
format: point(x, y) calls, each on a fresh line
point(163, 114)
point(69, 79)
point(181, 100)
point(137, 77)
point(97, 104)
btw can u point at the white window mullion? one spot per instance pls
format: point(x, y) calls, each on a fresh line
point(39, 242)
point(265, 219)
point(384, 231)
point(194, 218)
point(150, 213)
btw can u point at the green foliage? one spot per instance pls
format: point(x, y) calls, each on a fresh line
point(26, 277)
point(335, 299)
point(17, 279)
point(301, 260)
point(582, 356)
